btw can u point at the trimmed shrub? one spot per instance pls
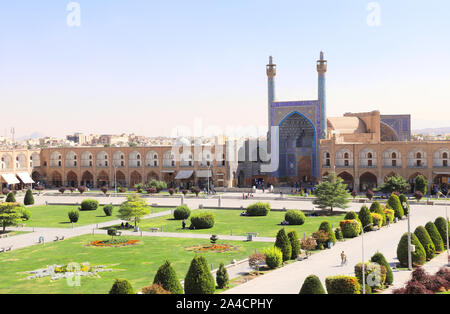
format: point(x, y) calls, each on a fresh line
point(425, 240)
point(365, 217)
point(295, 217)
point(338, 234)
point(369, 194)
point(89, 204)
point(435, 236)
point(81, 189)
point(181, 212)
point(342, 285)
point(418, 257)
point(351, 215)
point(394, 203)
point(258, 209)
point(10, 198)
point(26, 214)
point(274, 257)
point(390, 214)
point(104, 189)
point(171, 191)
point(326, 226)
point(73, 216)
point(108, 209)
point(222, 277)
point(350, 228)
point(155, 289)
point(203, 220)
point(312, 285)
point(377, 219)
point(378, 209)
point(375, 274)
point(381, 260)
point(28, 199)
point(442, 226)
point(256, 260)
point(62, 190)
point(420, 184)
point(404, 200)
point(167, 278)
point(282, 242)
point(308, 244)
point(199, 279)
point(121, 286)
point(418, 195)
point(322, 238)
point(295, 244)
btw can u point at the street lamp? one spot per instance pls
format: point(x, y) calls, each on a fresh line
point(362, 253)
point(446, 224)
point(409, 236)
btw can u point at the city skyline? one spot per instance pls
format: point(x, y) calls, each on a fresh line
point(147, 68)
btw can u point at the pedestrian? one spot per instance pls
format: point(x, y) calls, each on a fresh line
point(263, 188)
point(343, 259)
point(183, 224)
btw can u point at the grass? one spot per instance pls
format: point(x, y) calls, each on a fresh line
point(137, 263)
point(227, 220)
point(12, 233)
point(55, 216)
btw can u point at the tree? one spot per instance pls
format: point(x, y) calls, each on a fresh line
point(425, 240)
point(404, 203)
point(326, 226)
point(369, 194)
point(121, 286)
point(312, 285)
point(282, 242)
point(73, 216)
point(441, 224)
point(418, 256)
point(199, 279)
point(81, 189)
point(10, 215)
point(62, 190)
point(435, 236)
point(381, 260)
point(421, 184)
point(418, 195)
point(332, 193)
point(365, 217)
point(378, 209)
point(11, 198)
point(28, 199)
point(394, 203)
point(256, 260)
point(222, 277)
point(133, 209)
point(295, 244)
point(393, 184)
point(167, 278)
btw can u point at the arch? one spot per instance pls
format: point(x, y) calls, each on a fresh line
point(6, 161)
point(441, 157)
point(241, 178)
point(56, 179)
point(186, 159)
point(87, 179)
point(72, 179)
point(120, 178)
point(55, 159)
point(102, 179)
point(35, 160)
point(205, 158)
point(347, 179)
point(71, 159)
point(119, 159)
point(151, 159)
point(87, 159)
point(388, 134)
point(344, 158)
point(134, 159)
point(21, 161)
point(152, 176)
point(169, 159)
point(367, 181)
point(102, 159)
point(367, 158)
point(135, 178)
point(417, 158)
point(392, 158)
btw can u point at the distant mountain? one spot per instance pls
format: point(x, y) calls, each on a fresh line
point(433, 131)
point(31, 136)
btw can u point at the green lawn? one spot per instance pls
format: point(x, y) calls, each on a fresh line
point(227, 220)
point(55, 216)
point(137, 263)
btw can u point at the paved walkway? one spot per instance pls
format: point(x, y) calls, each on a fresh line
point(289, 279)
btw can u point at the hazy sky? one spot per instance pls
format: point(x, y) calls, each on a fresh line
point(149, 66)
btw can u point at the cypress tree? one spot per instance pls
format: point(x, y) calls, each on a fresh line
point(121, 286)
point(404, 200)
point(10, 198)
point(381, 260)
point(425, 240)
point(418, 256)
point(199, 279)
point(420, 184)
point(326, 226)
point(312, 285)
point(394, 203)
point(29, 199)
point(378, 209)
point(365, 217)
point(442, 225)
point(282, 242)
point(295, 244)
point(222, 277)
point(435, 236)
point(167, 278)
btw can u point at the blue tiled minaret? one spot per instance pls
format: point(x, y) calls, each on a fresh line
point(322, 69)
point(271, 73)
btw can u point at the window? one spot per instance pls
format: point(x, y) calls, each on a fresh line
point(369, 162)
point(74, 163)
point(59, 163)
point(346, 155)
point(419, 155)
point(106, 164)
point(122, 164)
point(369, 155)
point(394, 163)
point(173, 163)
point(445, 155)
point(90, 164)
point(138, 163)
point(155, 163)
point(346, 163)
point(394, 155)
point(327, 163)
point(445, 163)
point(419, 163)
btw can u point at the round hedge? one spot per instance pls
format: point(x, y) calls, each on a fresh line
point(390, 214)
point(258, 209)
point(274, 257)
point(377, 219)
point(312, 285)
point(375, 274)
point(394, 203)
point(418, 257)
point(295, 217)
point(365, 217)
point(338, 234)
point(425, 240)
point(376, 208)
point(121, 286)
point(181, 212)
point(342, 285)
point(204, 220)
point(435, 236)
point(108, 209)
point(381, 260)
point(73, 216)
point(350, 228)
point(326, 226)
point(28, 199)
point(89, 204)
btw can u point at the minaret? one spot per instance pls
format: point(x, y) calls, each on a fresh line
point(271, 73)
point(322, 69)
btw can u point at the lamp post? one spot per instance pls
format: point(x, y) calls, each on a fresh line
point(362, 254)
point(446, 225)
point(115, 184)
point(409, 236)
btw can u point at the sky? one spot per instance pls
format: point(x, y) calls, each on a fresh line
point(149, 67)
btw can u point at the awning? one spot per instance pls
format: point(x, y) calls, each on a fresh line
point(203, 173)
point(441, 172)
point(184, 174)
point(167, 171)
point(10, 178)
point(25, 177)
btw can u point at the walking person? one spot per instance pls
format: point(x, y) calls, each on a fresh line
point(183, 224)
point(343, 259)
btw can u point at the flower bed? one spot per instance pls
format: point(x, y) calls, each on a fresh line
point(113, 243)
point(219, 248)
